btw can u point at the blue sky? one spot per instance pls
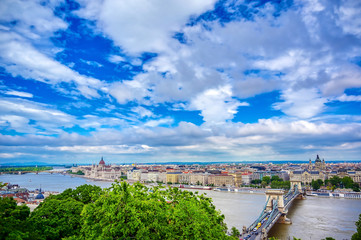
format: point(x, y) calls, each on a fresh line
point(179, 80)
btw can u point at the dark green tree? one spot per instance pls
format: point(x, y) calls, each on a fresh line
point(256, 181)
point(347, 182)
point(84, 193)
point(316, 184)
point(276, 178)
point(357, 235)
point(335, 181)
point(13, 220)
point(59, 215)
point(56, 219)
point(235, 232)
point(355, 187)
point(267, 179)
point(135, 212)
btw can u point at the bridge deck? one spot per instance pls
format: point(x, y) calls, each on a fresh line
point(267, 219)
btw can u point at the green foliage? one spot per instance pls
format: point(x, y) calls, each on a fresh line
point(84, 194)
point(2, 184)
point(276, 178)
point(347, 182)
point(266, 179)
point(55, 219)
point(357, 235)
point(316, 184)
point(335, 181)
point(355, 187)
point(79, 172)
point(121, 212)
point(123, 177)
point(13, 224)
point(24, 169)
point(133, 211)
point(329, 238)
point(256, 181)
point(235, 232)
point(281, 184)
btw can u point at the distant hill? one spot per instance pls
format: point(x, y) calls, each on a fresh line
point(27, 164)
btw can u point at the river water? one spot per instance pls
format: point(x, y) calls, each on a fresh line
point(313, 218)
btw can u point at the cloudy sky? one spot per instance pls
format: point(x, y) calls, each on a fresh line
point(179, 80)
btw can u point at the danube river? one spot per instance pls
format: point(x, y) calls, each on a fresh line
point(313, 218)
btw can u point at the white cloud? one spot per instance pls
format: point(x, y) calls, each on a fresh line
point(216, 105)
point(142, 26)
point(108, 149)
point(142, 112)
point(303, 103)
point(20, 58)
point(18, 94)
point(155, 123)
point(349, 18)
point(128, 91)
point(116, 59)
point(18, 113)
point(349, 98)
point(31, 18)
point(343, 77)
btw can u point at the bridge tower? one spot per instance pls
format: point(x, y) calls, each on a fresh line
point(275, 194)
point(296, 183)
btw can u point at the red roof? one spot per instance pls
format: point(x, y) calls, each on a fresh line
point(102, 162)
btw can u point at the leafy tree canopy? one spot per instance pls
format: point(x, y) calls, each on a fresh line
point(13, 219)
point(267, 179)
point(84, 193)
point(135, 212)
point(56, 219)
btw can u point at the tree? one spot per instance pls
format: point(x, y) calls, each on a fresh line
point(355, 187)
point(267, 179)
point(335, 181)
point(56, 219)
point(281, 184)
point(357, 235)
point(133, 211)
point(276, 178)
point(85, 193)
point(2, 185)
point(59, 215)
point(13, 220)
point(256, 181)
point(316, 184)
point(235, 232)
point(347, 182)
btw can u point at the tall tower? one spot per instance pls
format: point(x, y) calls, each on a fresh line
point(318, 163)
point(102, 165)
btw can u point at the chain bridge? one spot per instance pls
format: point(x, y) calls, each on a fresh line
point(274, 211)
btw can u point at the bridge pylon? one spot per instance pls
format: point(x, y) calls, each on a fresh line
point(296, 183)
point(277, 195)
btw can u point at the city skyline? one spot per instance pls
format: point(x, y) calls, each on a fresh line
point(179, 81)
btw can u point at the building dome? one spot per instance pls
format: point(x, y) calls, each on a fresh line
point(318, 159)
point(39, 196)
point(102, 162)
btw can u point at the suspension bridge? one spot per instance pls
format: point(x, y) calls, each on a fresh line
point(274, 211)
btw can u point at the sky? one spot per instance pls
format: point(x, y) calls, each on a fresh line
point(179, 80)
